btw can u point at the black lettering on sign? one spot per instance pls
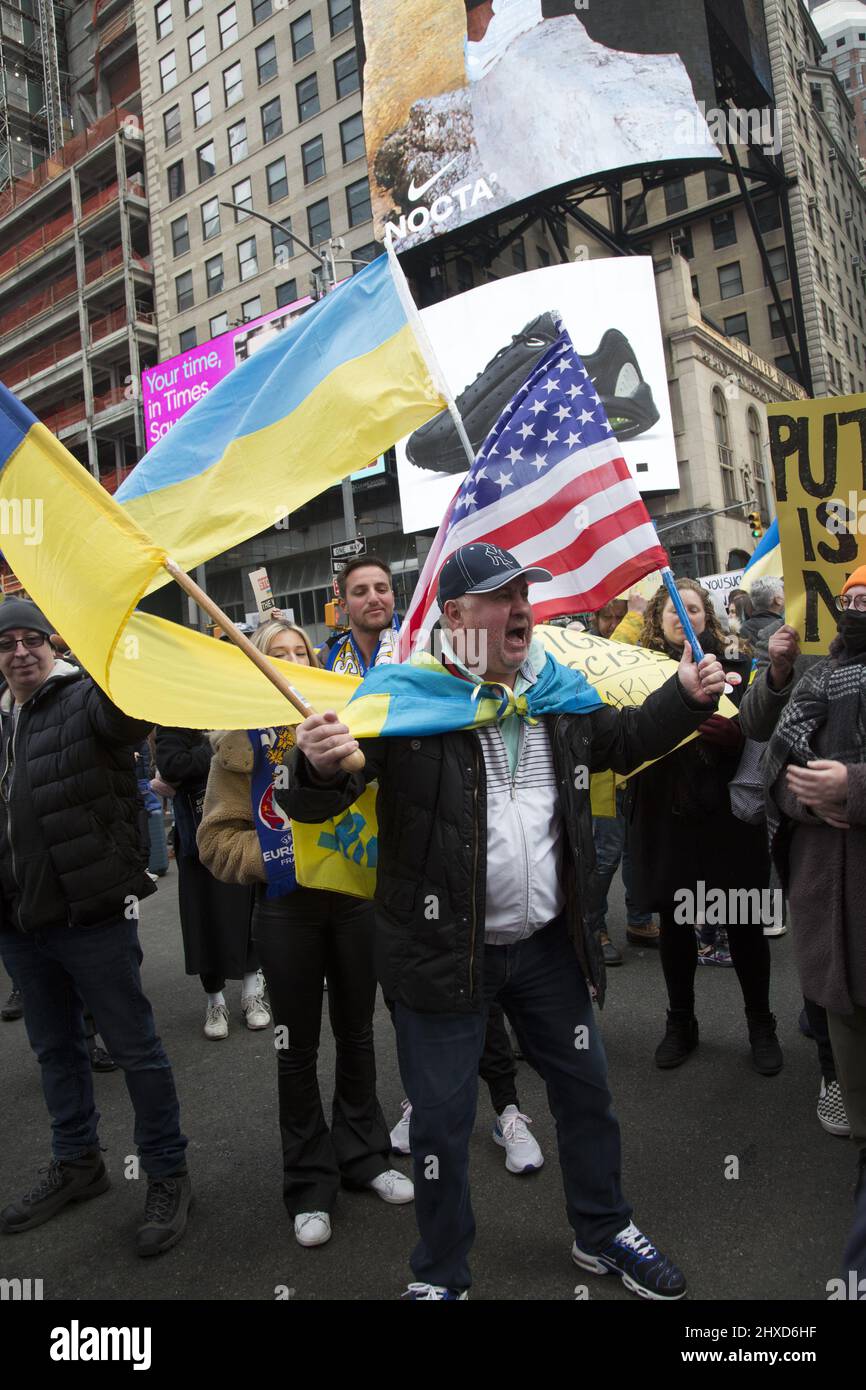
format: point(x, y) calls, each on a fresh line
point(808, 549)
point(858, 418)
point(788, 436)
point(847, 543)
point(817, 592)
point(826, 486)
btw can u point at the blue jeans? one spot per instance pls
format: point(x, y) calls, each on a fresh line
point(611, 846)
point(60, 969)
point(538, 981)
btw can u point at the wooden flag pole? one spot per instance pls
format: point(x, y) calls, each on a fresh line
point(355, 761)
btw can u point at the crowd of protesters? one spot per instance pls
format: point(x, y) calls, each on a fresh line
point(760, 808)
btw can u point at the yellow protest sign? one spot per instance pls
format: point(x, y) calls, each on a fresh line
point(818, 452)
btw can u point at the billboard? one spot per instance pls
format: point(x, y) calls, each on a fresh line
point(487, 342)
point(471, 106)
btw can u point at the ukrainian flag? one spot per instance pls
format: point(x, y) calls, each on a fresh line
point(325, 396)
point(767, 557)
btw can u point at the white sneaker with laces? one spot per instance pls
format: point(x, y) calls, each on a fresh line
point(434, 1293)
point(522, 1154)
point(255, 1011)
point(393, 1187)
point(216, 1024)
point(312, 1228)
point(400, 1132)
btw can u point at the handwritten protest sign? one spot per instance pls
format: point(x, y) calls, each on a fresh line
point(818, 452)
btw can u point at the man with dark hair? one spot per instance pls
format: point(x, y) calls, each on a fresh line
point(368, 598)
point(72, 872)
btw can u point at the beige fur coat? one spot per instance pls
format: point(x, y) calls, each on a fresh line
point(227, 841)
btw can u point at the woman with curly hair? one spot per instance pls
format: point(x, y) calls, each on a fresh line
point(691, 857)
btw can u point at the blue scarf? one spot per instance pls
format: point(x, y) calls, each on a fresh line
point(273, 826)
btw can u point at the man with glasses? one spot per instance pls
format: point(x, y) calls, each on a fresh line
point(72, 872)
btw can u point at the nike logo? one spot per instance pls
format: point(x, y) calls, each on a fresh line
point(416, 192)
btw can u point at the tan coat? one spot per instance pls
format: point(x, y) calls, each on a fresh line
point(227, 841)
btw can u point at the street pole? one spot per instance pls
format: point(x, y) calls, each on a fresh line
point(329, 282)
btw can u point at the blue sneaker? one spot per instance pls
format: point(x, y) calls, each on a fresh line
point(426, 1293)
point(637, 1262)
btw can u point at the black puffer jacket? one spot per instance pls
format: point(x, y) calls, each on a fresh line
point(432, 813)
point(71, 846)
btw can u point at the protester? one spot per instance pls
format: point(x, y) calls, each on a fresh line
point(215, 918)
point(815, 774)
point(687, 845)
point(72, 874)
point(462, 817)
point(302, 936)
point(608, 618)
point(630, 627)
point(767, 596)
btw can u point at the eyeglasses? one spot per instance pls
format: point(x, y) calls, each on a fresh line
point(842, 602)
point(31, 642)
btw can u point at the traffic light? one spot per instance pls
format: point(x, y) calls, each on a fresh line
point(755, 525)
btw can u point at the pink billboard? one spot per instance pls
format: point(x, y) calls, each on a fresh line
point(172, 387)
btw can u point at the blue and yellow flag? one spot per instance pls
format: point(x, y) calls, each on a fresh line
point(767, 558)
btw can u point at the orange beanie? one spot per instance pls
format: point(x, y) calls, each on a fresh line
point(858, 577)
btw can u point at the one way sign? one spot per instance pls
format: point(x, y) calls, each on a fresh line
point(347, 550)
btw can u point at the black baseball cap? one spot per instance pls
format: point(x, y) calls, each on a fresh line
point(20, 612)
point(481, 568)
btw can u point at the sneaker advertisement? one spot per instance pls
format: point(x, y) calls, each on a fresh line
point(489, 339)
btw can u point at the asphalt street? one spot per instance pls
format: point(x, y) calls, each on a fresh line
point(774, 1232)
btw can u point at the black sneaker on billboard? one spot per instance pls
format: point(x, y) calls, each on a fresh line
point(626, 397)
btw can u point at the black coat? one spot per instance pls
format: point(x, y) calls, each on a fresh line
point(72, 847)
point(681, 827)
point(214, 917)
point(432, 840)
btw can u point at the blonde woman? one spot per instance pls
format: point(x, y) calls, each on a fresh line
point(303, 935)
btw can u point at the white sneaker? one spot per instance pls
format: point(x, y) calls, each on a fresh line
point(831, 1109)
point(255, 1011)
point(780, 930)
point(216, 1024)
point(312, 1228)
point(400, 1132)
point(393, 1187)
point(522, 1154)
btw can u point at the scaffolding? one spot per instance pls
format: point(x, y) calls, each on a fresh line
point(31, 36)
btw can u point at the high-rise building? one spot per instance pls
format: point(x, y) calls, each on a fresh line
point(842, 26)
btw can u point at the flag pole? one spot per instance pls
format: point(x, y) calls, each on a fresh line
point(355, 761)
point(677, 601)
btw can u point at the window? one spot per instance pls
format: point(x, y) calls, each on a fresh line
point(313, 159)
point(730, 280)
point(718, 183)
point(366, 253)
point(180, 236)
point(262, 9)
point(213, 270)
point(176, 181)
point(266, 60)
point(210, 218)
point(696, 288)
point(302, 36)
point(281, 242)
point(776, 328)
point(228, 22)
point(278, 183)
point(248, 260)
point(352, 138)
point(187, 339)
point(163, 20)
point(724, 229)
point(197, 50)
point(759, 471)
point(168, 71)
point(237, 142)
point(682, 239)
point(192, 7)
point(635, 211)
point(206, 156)
point(272, 120)
point(737, 326)
point(307, 93)
point(319, 221)
point(287, 293)
point(786, 364)
point(543, 255)
point(184, 291)
point(518, 254)
point(171, 125)
point(768, 214)
point(242, 194)
point(233, 84)
point(358, 202)
point(201, 105)
point(251, 308)
point(340, 15)
point(675, 196)
point(778, 259)
point(723, 443)
point(346, 73)
point(219, 324)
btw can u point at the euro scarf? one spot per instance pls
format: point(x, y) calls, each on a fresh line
point(271, 748)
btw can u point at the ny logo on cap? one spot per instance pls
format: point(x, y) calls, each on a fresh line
point(496, 556)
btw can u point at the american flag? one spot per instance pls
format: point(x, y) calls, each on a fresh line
point(550, 484)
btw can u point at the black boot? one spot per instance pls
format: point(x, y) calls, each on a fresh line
point(766, 1052)
point(13, 1008)
point(165, 1213)
point(681, 1038)
point(63, 1181)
